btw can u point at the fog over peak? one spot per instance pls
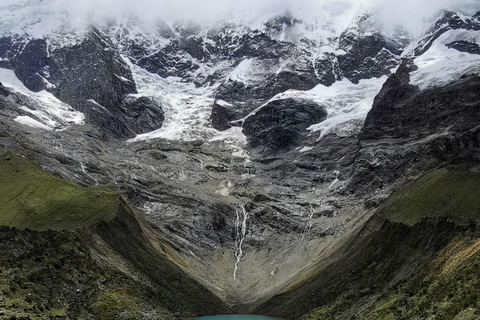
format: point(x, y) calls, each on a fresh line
point(413, 15)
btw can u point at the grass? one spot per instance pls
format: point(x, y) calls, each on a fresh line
point(31, 198)
point(114, 302)
point(441, 193)
point(431, 294)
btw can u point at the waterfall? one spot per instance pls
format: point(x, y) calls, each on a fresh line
point(309, 224)
point(240, 232)
point(82, 166)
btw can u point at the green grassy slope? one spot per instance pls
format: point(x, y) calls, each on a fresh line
point(448, 288)
point(31, 198)
point(441, 193)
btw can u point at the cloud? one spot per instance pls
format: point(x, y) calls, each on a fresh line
point(414, 15)
point(417, 15)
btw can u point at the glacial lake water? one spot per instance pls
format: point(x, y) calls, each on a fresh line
point(237, 317)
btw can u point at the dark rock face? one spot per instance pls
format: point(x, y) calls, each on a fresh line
point(394, 91)
point(31, 65)
point(9, 48)
point(222, 114)
point(281, 124)
point(144, 114)
point(409, 130)
point(28, 58)
point(4, 91)
point(281, 22)
point(465, 46)
point(91, 77)
point(328, 69)
point(94, 69)
point(367, 52)
point(397, 112)
point(132, 116)
point(169, 61)
point(251, 44)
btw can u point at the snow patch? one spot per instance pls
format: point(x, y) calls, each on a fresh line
point(223, 103)
point(343, 101)
point(187, 108)
point(441, 65)
point(305, 149)
point(27, 121)
point(236, 140)
point(45, 106)
point(253, 71)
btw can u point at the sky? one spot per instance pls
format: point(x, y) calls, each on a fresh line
point(413, 15)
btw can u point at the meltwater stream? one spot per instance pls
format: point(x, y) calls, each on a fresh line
point(240, 232)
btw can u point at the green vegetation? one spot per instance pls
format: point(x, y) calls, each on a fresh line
point(34, 199)
point(52, 275)
point(114, 302)
point(448, 287)
point(441, 193)
point(440, 292)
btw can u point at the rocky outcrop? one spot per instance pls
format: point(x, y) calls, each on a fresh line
point(91, 77)
point(281, 125)
point(408, 130)
point(465, 46)
point(367, 53)
point(448, 21)
point(4, 91)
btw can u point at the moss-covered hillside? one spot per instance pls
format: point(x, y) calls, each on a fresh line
point(447, 289)
point(34, 199)
point(442, 193)
point(57, 275)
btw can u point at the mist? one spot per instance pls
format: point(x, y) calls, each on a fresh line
point(413, 15)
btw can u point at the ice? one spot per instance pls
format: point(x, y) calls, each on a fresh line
point(187, 112)
point(344, 101)
point(235, 140)
point(253, 71)
point(223, 103)
point(26, 120)
point(441, 65)
point(46, 107)
point(234, 135)
point(187, 108)
point(305, 149)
